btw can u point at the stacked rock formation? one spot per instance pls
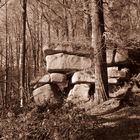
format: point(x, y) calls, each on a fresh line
point(70, 71)
point(61, 62)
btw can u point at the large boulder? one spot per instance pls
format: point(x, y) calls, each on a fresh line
point(48, 94)
point(114, 72)
point(118, 57)
point(45, 79)
point(40, 81)
point(68, 48)
point(83, 77)
point(63, 62)
point(80, 92)
point(89, 77)
point(58, 77)
point(113, 80)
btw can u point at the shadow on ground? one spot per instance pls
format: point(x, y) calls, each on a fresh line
point(123, 124)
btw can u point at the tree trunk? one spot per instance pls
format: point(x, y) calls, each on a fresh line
point(66, 22)
point(101, 80)
point(87, 20)
point(6, 61)
point(22, 55)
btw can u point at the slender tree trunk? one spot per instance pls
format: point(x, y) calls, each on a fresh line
point(38, 37)
point(49, 23)
point(35, 44)
point(22, 55)
point(7, 67)
point(1, 84)
point(28, 77)
point(70, 25)
point(11, 70)
point(66, 22)
point(101, 79)
point(1, 56)
point(87, 20)
point(41, 43)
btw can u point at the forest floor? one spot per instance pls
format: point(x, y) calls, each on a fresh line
point(123, 124)
point(69, 123)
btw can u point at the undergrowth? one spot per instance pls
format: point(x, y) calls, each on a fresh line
point(67, 123)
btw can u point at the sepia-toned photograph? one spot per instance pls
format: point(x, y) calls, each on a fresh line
point(69, 69)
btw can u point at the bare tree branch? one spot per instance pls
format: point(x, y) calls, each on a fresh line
point(4, 3)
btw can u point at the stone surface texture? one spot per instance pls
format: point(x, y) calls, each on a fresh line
point(58, 78)
point(80, 92)
point(47, 95)
point(112, 80)
point(45, 79)
point(68, 48)
point(114, 72)
point(63, 62)
point(120, 56)
point(89, 77)
point(83, 77)
point(70, 69)
point(43, 94)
